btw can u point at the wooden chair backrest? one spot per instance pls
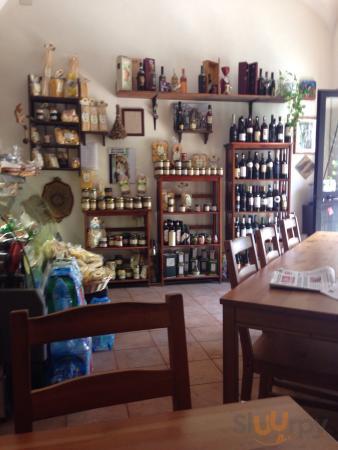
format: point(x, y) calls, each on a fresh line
point(290, 232)
point(103, 389)
point(270, 235)
point(233, 248)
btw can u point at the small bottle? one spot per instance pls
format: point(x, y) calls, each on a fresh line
point(280, 130)
point(249, 167)
point(233, 130)
point(249, 130)
point(183, 83)
point(237, 168)
point(269, 166)
point(262, 168)
point(272, 129)
point(256, 167)
point(174, 81)
point(269, 199)
point(260, 83)
point(141, 78)
point(179, 117)
point(241, 130)
point(285, 166)
point(264, 131)
point(272, 87)
point(288, 130)
point(242, 167)
point(202, 82)
point(162, 81)
point(257, 131)
point(209, 118)
point(172, 235)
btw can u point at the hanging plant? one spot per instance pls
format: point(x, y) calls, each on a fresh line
point(289, 88)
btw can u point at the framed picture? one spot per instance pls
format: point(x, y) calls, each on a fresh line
point(305, 167)
point(308, 87)
point(122, 165)
point(133, 121)
point(305, 138)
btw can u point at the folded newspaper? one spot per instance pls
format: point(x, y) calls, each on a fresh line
point(321, 280)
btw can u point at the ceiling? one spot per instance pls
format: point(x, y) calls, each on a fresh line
point(326, 9)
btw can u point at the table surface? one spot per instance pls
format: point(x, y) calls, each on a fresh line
point(234, 427)
point(320, 249)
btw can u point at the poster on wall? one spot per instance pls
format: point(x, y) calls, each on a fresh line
point(122, 165)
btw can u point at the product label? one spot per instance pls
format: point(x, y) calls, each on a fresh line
point(250, 201)
point(288, 131)
point(257, 136)
point(284, 202)
point(249, 130)
point(257, 202)
point(237, 172)
point(270, 202)
point(242, 137)
point(209, 120)
point(270, 165)
point(277, 199)
point(166, 235)
point(257, 165)
point(285, 169)
point(264, 201)
point(263, 168)
point(243, 172)
point(280, 137)
point(265, 134)
point(249, 164)
point(243, 232)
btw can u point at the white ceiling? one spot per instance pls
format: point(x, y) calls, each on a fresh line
point(326, 9)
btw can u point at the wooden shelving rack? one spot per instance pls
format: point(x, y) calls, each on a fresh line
point(215, 225)
point(231, 181)
point(135, 213)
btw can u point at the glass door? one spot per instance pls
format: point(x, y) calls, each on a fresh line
point(326, 168)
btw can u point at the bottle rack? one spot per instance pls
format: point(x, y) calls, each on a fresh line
point(232, 182)
point(214, 224)
point(145, 228)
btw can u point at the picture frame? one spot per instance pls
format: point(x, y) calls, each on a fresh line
point(133, 121)
point(305, 135)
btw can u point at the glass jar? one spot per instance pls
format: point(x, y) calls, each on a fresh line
point(85, 204)
point(178, 165)
point(103, 242)
point(182, 208)
point(206, 207)
point(119, 241)
point(214, 208)
point(171, 201)
point(129, 203)
point(213, 170)
point(208, 171)
point(191, 171)
point(126, 240)
point(133, 240)
point(166, 164)
point(197, 171)
point(220, 171)
point(166, 171)
point(119, 203)
point(129, 273)
point(93, 194)
point(202, 171)
point(53, 114)
point(185, 171)
point(40, 114)
point(178, 171)
point(201, 239)
point(121, 274)
point(158, 172)
point(194, 239)
point(85, 193)
point(142, 240)
point(136, 272)
point(138, 203)
point(208, 239)
point(108, 192)
point(93, 205)
point(198, 208)
point(110, 203)
point(146, 202)
point(101, 203)
point(159, 164)
point(111, 241)
point(171, 209)
point(172, 172)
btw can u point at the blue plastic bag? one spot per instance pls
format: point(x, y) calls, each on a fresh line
point(106, 341)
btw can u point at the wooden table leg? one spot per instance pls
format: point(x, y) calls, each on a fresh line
point(230, 355)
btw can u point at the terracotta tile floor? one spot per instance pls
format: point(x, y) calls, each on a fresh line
point(149, 349)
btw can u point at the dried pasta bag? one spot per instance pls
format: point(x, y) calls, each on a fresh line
point(71, 86)
point(93, 116)
point(102, 116)
point(47, 69)
point(85, 114)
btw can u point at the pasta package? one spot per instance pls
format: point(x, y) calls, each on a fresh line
point(66, 137)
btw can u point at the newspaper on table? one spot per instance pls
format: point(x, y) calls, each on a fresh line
point(321, 280)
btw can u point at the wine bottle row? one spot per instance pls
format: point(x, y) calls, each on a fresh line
point(175, 232)
point(249, 130)
point(261, 198)
point(260, 168)
point(246, 225)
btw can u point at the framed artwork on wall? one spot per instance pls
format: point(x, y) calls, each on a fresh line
point(305, 135)
point(133, 121)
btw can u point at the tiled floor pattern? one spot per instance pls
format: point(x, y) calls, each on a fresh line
point(149, 349)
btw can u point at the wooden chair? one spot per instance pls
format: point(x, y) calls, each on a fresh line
point(104, 389)
point(290, 232)
point(264, 236)
point(234, 248)
point(292, 362)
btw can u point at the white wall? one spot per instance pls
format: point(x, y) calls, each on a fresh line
point(279, 35)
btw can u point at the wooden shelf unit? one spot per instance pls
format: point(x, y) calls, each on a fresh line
point(231, 181)
point(215, 226)
point(136, 213)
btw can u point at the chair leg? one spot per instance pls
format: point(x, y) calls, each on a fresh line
point(247, 381)
point(265, 385)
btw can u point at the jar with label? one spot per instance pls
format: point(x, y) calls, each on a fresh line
point(185, 171)
point(118, 260)
point(93, 194)
point(178, 171)
point(172, 172)
point(178, 165)
point(85, 193)
point(93, 205)
point(110, 203)
point(129, 273)
point(208, 239)
point(142, 240)
point(191, 171)
point(111, 241)
point(215, 239)
point(213, 170)
point(85, 204)
point(159, 164)
point(138, 203)
point(159, 172)
point(166, 164)
point(53, 114)
point(40, 114)
point(119, 241)
point(101, 203)
point(121, 274)
point(206, 207)
point(146, 202)
point(136, 272)
point(129, 203)
point(201, 239)
point(197, 171)
point(220, 171)
point(126, 239)
point(171, 209)
point(103, 242)
point(182, 208)
point(202, 171)
point(214, 208)
point(166, 171)
point(194, 239)
point(119, 203)
point(133, 241)
point(198, 208)
point(208, 171)
point(171, 201)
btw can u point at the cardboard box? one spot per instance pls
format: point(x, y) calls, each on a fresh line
point(124, 74)
point(211, 70)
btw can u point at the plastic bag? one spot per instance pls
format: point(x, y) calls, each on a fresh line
point(106, 341)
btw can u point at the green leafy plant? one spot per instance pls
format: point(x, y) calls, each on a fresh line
point(288, 87)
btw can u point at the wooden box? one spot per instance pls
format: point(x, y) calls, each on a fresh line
point(135, 65)
point(211, 70)
point(243, 77)
point(124, 74)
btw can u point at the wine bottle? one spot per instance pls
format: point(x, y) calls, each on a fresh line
point(262, 168)
point(179, 117)
point(165, 233)
point(269, 166)
point(249, 130)
point(237, 172)
point(237, 228)
point(276, 166)
point(141, 78)
point(249, 199)
point(241, 130)
point(256, 167)
point(243, 198)
point(257, 131)
point(257, 200)
point(262, 224)
point(172, 235)
point(284, 199)
point(178, 229)
point(243, 227)
point(272, 129)
point(209, 118)
point(276, 198)
point(233, 130)
point(183, 83)
point(249, 167)
point(285, 166)
point(264, 131)
point(237, 198)
point(174, 81)
point(260, 83)
point(249, 225)
point(202, 82)
point(269, 199)
point(272, 87)
point(266, 83)
point(280, 130)
point(242, 166)
point(162, 81)
point(264, 200)
point(288, 130)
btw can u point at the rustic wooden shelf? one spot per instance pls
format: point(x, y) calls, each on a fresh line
point(192, 277)
point(48, 99)
point(195, 96)
point(103, 135)
point(117, 212)
point(201, 178)
point(167, 247)
point(203, 132)
point(257, 180)
point(125, 247)
point(258, 145)
point(43, 145)
point(54, 123)
point(188, 213)
point(127, 281)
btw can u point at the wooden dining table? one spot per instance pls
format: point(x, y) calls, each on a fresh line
point(269, 423)
point(254, 304)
